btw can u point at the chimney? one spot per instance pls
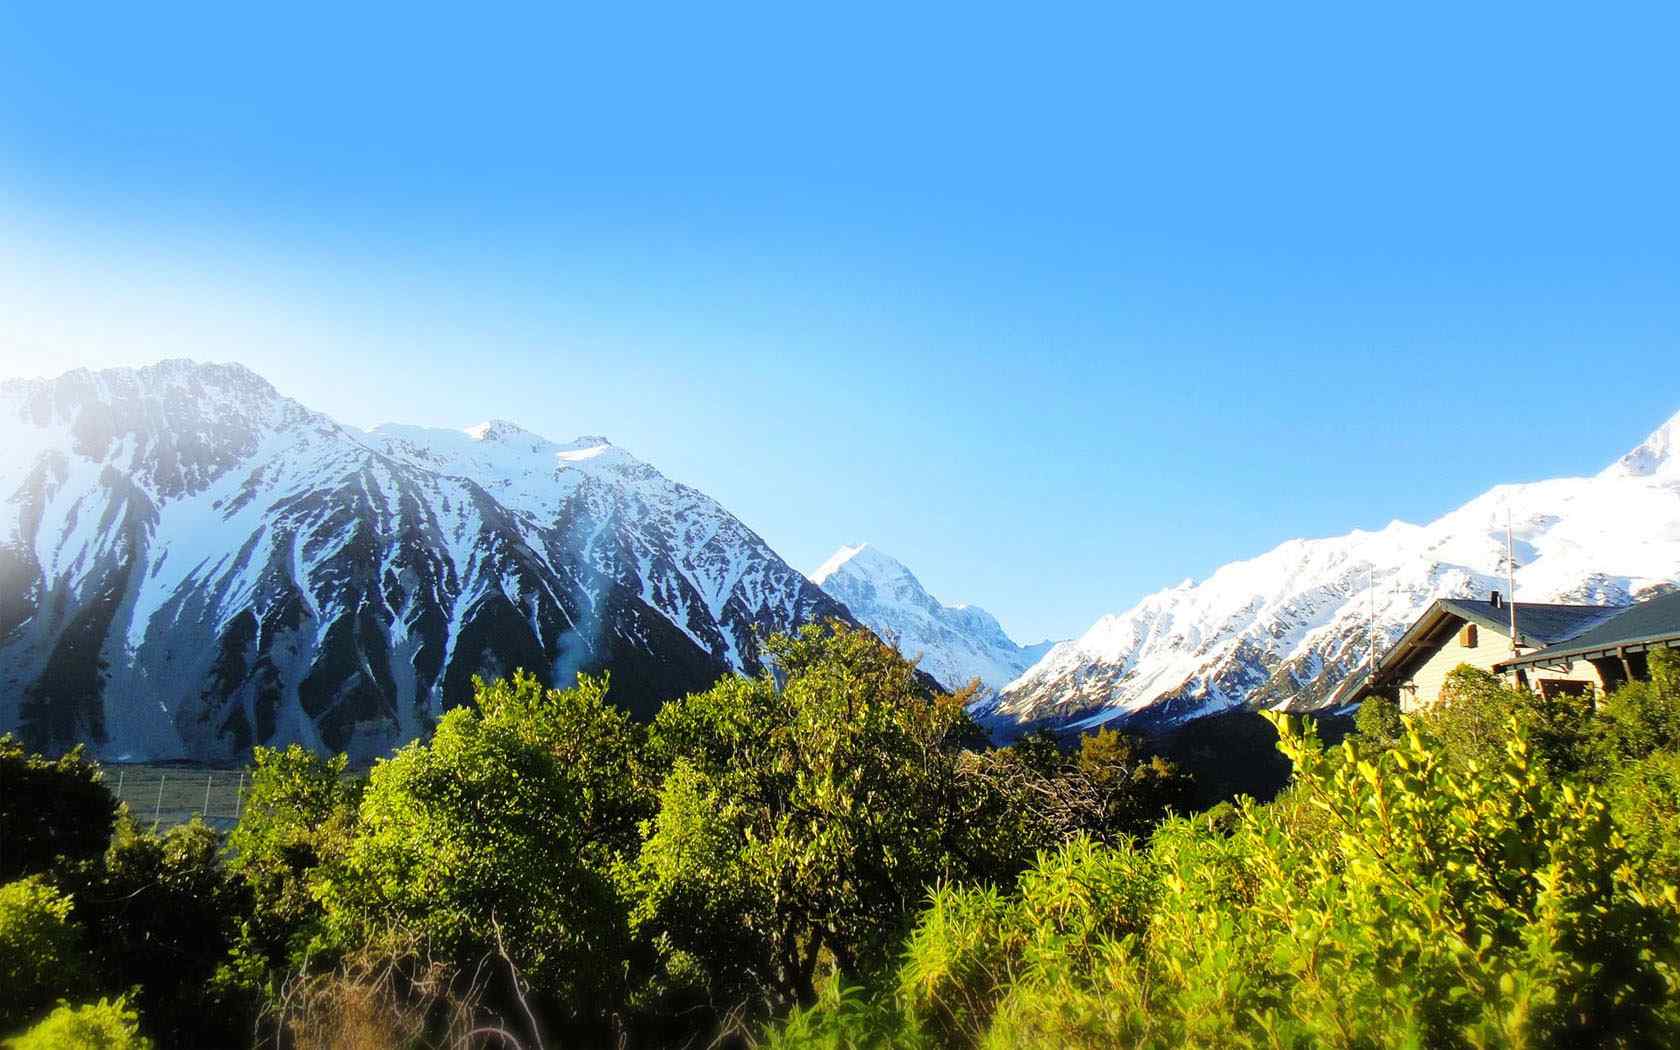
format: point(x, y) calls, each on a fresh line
point(1496, 600)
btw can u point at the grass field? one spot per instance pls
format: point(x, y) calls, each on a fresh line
point(186, 791)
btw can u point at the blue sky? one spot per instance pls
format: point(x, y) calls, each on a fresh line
point(1058, 304)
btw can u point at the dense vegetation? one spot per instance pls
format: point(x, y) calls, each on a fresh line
point(830, 856)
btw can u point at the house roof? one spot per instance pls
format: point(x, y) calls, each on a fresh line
point(1642, 626)
point(1538, 624)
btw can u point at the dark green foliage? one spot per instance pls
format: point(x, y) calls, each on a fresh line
point(1378, 721)
point(41, 953)
point(1664, 667)
point(1134, 790)
point(51, 810)
point(162, 912)
point(1108, 787)
point(1233, 754)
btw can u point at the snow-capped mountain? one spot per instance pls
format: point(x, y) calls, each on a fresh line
point(191, 563)
point(956, 643)
point(1284, 628)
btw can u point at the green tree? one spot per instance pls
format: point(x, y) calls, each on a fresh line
point(1378, 721)
point(299, 814)
point(1474, 718)
point(162, 912)
point(1132, 790)
point(806, 813)
point(1644, 717)
point(504, 831)
point(1664, 666)
point(41, 954)
point(51, 810)
point(1109, 788)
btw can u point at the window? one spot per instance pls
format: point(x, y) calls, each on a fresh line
point(1555, 687)
point(1467, 636)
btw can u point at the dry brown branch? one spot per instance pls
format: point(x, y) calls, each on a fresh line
point(389, 995)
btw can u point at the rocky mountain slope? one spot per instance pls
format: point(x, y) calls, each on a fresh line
point(955, 643)
point(1282, 629)
point(191, 563)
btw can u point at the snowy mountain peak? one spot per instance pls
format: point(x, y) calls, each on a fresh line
point(1283, 628)
point(865, 561)
point(192, 564)
point(497, 430)
point(1656, 456)
point(956, 642)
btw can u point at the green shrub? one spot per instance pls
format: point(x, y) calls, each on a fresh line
point(163, 913)
point(973, 949)
point(804, 819)
point(1378, 721)
point(504, 829)
point(844, 1017)
point(41, 956)
point(1664, 666)
point(1643, 717)
point(1393, 897)
point(1645, 799)
point(105, 1025)
point(299, 815)
point(1473, 722)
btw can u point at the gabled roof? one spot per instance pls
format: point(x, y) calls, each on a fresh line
point(1642, 626)
point(1538, 624)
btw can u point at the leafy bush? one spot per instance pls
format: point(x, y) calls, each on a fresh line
point(503, 831)
point(1474, 718)
point(1645, 800)
point(1644, 717)
point(1378, 721)
point(1393, 898)
point(51, 810)
point(105, 1025)
point(163, 912)
point(801, 822)
point(40, 949)
point(298, 816)
point(845, 1016)
point(832, 842)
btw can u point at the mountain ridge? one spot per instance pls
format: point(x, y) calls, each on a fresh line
point(191, 563)
point(1280, 629)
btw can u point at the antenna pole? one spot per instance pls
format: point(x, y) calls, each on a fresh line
point(1511, 576)
point(1371, 631)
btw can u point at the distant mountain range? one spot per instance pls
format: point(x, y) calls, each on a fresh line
point(1284, 628)
point(191, 563)
point(956, 644)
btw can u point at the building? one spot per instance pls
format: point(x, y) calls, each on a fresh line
point(1606, 655)
point(1455, 631)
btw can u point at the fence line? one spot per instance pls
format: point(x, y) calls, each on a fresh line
point(176, 795)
